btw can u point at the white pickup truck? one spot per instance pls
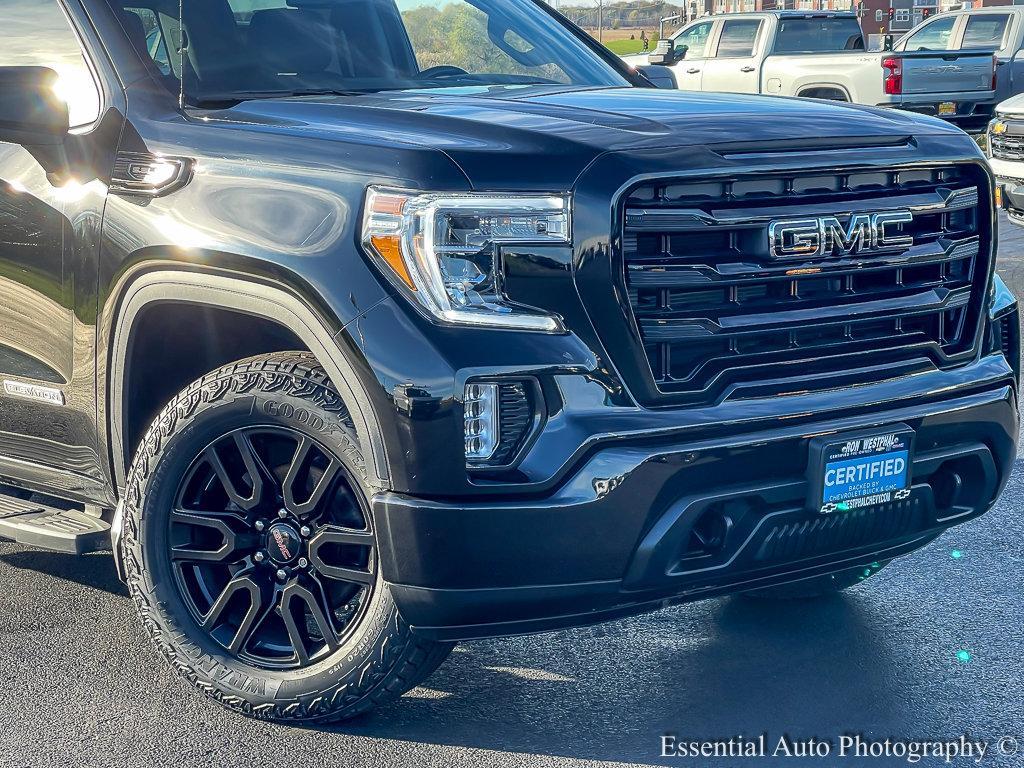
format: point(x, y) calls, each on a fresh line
point(999, 28)
point(1005, 147)
point(822, 55)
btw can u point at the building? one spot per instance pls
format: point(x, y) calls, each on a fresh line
point(876, 18)
point(907, 14)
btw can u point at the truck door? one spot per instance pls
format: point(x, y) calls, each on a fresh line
point(735, 66)
point(690, 70)
point(47, 390)
point(1011, 74)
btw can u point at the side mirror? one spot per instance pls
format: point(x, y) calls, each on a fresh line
point(31, 113)
point(661, 77)
point(665, 55)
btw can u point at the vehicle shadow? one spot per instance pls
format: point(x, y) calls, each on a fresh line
point(95, 571)
point(713, 670)
point(710, 670)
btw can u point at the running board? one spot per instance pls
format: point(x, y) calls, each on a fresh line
point(61, 530)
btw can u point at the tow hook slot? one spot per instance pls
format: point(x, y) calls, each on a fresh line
point(709, 534)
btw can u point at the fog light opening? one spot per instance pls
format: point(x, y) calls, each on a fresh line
point(500, 419)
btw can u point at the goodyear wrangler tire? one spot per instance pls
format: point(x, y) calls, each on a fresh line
point(250, 551)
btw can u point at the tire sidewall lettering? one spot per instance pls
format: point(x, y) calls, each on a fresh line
point(294, 414)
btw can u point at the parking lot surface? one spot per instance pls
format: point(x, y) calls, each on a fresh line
point(932, 648)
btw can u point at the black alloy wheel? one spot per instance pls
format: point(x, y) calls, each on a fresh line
point(271, 548)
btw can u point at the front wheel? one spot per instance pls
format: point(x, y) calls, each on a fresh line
point(251, 554)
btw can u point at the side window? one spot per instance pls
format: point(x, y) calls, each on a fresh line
point(933, 37)
point(696, 40)
point(738, 38)
point(985, 30)
point(36, 33)
point(148, 36)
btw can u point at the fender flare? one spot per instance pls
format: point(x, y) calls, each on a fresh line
point(249, 297)
point(834, 86)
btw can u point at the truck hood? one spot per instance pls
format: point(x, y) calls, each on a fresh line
point(543, 137)
point(1012, 106)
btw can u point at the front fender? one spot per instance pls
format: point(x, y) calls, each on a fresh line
point(251, 296)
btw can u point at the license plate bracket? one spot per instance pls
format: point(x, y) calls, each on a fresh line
point(858, 469)
point(947, 108)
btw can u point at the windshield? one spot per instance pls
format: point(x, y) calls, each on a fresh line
point(231, 50)
point(820, 35)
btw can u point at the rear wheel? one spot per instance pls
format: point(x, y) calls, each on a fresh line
point(819, 586)
point(251, 554)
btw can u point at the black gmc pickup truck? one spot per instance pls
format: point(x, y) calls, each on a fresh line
point(361, 327)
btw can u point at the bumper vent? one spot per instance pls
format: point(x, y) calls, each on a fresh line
point(714, 308)
point(822, 535)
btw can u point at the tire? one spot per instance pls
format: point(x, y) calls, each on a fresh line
point(279, 617)
point(820, 586)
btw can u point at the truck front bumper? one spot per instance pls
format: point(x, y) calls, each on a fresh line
point(1010, 181)
point(644, 524)
point(973, 110)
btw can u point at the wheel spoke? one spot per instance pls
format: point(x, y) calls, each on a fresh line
point(295, 474)
point(253, 618)
point(337, 535)
point(296, 591)
point(244, 499)
point(248, 622)
point(221, 522)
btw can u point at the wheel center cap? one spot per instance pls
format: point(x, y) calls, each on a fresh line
point(283, 543)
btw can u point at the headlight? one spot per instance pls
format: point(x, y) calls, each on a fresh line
point(443, 249)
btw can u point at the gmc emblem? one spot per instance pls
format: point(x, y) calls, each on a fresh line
point(826, 236)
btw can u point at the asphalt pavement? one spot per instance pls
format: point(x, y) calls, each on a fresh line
point(931, 649)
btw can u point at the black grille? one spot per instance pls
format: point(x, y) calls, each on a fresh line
point(713, 308)
point(1006, 147)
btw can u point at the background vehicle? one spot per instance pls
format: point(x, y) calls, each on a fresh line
point(999, 29)
point(821, 55)
point(361, 327)
point(1005, 147)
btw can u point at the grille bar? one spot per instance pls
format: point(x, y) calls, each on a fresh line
point(795, 320)
point(714, 308)
point(659, 274)
point(672, 219)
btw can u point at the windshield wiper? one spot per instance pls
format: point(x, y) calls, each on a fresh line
point(237, 97)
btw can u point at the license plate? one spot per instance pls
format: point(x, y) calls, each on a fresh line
point(947, 108)
point(860, 469)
